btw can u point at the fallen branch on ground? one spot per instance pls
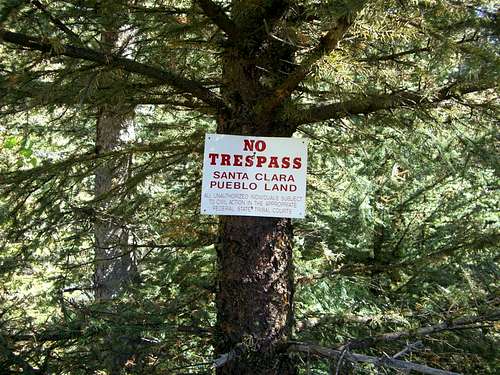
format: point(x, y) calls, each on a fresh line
point(385, 361)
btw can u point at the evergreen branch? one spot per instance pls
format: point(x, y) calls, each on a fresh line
point(327, 44)
point(57, 22)
point(413, 51)
point(79, 331)
point(13, 359)
point(216, 14)
point(37, 91)
point(465, 48)
point(9, 8)
point(299, 347)
point(394, 56)
point(312, 321)
point(181, 84)
point(50, 168)
point(413, 265)
point(378, 102)
point(170, 11)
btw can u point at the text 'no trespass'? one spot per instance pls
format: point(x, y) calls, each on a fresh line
point(254, 176)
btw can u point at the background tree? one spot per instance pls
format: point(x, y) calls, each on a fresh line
point(399, 99)
point(114, 261)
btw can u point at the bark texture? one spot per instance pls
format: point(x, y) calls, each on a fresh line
point(114, 261)
point(255, 296)
point(255, 267)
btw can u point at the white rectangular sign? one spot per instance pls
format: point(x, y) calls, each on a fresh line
point(254, 176)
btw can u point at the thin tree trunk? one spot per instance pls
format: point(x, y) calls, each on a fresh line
point(114, 261)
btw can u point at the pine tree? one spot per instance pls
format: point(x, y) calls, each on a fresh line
point(260, 68)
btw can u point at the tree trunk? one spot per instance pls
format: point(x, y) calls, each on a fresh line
point(255, 269)
point(255, 294)
point(114, 261)
point(255, 277)
point(115, 264)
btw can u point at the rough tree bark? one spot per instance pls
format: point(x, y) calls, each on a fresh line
point(255, 267)
point(255, 295)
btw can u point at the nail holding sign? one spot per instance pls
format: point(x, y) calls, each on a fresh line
point(254, 176)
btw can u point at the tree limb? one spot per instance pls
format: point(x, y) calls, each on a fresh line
point(413, 265)
point(353, 357)
point(57, 22)
point(181, 84)
point(37, 90)
point(378, 102)
point(49, 167)
point(216, 14)
point(394, 56)
point(467, 322)
point(327, 44)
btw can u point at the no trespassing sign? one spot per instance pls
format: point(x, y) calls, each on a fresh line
point(254, 176)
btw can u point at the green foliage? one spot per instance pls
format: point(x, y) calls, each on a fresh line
point(425, 243)
point(402, 227)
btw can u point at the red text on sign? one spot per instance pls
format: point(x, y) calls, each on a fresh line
point(260, 161)
point(248, 145)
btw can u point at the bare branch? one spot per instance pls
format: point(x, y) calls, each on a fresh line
point(181, 84)
point(353, 357)
point(343, 352)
